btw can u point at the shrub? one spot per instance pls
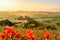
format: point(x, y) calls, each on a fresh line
point(6, 22)
point(52, 27)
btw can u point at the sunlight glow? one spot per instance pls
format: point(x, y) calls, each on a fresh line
point(21, 5)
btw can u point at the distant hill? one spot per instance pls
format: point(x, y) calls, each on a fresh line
point(10, 14)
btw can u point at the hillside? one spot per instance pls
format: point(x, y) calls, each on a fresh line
point(10, 14)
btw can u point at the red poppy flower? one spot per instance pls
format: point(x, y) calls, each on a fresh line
point(8, 27)
point(2, 35)
point(6, 33)
point(29, 31)
point(17, 35)
point(5, 27)
point(13, 32)
point(29, 34)
point(47, 35)
point(58, 36)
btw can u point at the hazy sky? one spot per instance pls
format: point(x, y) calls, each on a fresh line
point(30, 5)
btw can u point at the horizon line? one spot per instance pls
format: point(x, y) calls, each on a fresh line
point(27, 11)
